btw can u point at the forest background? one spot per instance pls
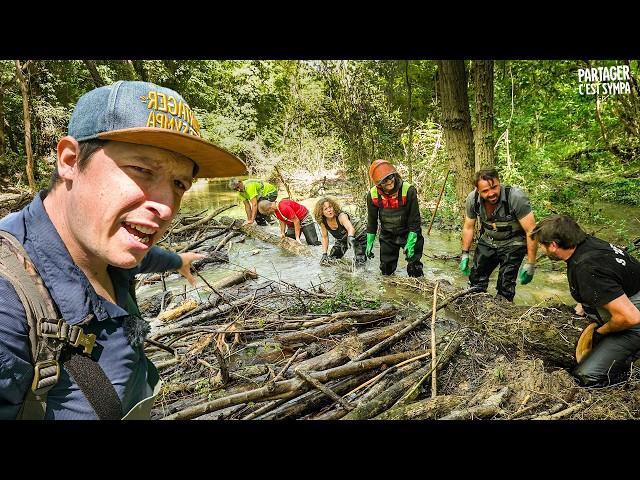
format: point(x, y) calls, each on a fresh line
point(439, 120)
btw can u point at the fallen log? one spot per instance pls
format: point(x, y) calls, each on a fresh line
point(278, 389)
point(382, 402)
point(334, 324)
point(204, 220)
point(260, 233)
point(427, 409)
point(489, 408)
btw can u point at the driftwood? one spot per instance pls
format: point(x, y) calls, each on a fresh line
point(334, 324)
point(181, 309)
point(286, 387)
point(429, 408)
point(203, 220)
point(489, 408)
point(389, 397)
point(256, 231)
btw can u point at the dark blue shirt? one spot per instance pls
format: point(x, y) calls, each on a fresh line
point(126, 366)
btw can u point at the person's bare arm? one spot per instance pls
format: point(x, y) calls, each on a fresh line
point(467, 232)
point(325, 238)
point(624, 315)
point(296, 228)
point(528, 223)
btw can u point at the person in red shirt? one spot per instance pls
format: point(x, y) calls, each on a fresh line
point(294, 216)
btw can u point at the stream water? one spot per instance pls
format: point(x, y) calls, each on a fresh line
point(271, 262)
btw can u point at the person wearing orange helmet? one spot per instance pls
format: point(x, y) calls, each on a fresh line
point(394, 203)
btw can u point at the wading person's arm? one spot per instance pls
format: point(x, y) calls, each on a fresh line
point(253, 210)
point(624, 315)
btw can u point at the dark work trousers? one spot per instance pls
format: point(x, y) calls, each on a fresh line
point(390, 246)
point(609, 360)
point(307, 228)
point(487, 258)
point(340, 248)
point(264, 219)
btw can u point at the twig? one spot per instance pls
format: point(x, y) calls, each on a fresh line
point(327, 391)
point(284, 369)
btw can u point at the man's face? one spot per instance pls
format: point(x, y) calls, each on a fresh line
point(550, 250)
point(124, 201)
point(239, 187)
point(489, 190)
point(388, 184)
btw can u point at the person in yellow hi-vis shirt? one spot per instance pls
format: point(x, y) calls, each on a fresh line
point(251, 192)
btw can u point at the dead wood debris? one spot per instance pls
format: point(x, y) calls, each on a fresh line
point(267, 350)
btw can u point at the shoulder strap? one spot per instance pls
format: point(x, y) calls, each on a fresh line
point(476, 203)
point(48, 332)
point(507, 191)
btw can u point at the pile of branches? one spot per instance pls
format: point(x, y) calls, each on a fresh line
point(272, 350)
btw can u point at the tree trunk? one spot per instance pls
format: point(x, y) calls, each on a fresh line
point(95, 74)
point(456, 122)
point(409, 121)
point(483, 133)
point(138, 66)
point(3, 148)
point(27, 125)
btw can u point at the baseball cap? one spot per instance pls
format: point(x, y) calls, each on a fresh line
point(147, 114)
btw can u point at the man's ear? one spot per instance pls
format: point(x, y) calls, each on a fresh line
point(68, 150)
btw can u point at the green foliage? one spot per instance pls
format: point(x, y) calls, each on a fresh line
point(347, 298)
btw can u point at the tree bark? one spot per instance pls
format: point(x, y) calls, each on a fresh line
point(483, 133)
point(95, 74)
point(260, 233)
point(456, 122)
point(279, 389)
point(409, 121)
point(427, 409)
point(24, 88)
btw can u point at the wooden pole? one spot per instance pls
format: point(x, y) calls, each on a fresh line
point(433, 342)
point(444, 184)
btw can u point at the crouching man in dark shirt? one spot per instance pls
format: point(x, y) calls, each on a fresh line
point(606, 281)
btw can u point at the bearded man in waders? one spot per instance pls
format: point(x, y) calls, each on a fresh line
point(395, 204)
point(506, 218)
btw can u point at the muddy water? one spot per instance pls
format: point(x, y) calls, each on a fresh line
point(273, 263)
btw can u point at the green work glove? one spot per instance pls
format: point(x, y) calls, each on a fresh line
point(411, 243)
point(369, 251)
point(525, 275)
point(464, 264)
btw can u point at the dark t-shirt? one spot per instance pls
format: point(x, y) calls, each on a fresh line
point(600, 272)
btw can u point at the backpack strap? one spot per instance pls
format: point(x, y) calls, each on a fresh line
point(49, 333)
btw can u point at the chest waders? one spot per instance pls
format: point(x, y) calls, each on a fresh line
point(394, 230)
point(502, 243)
point(54, 343)
point(503, 230)
point(307, 228)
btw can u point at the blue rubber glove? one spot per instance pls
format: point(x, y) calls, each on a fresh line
point(464, 264)
point(411, 243)
point(525, 275)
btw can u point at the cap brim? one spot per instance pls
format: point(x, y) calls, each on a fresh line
point(213, 161)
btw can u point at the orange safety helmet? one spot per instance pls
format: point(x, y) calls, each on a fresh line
point(379, 170)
